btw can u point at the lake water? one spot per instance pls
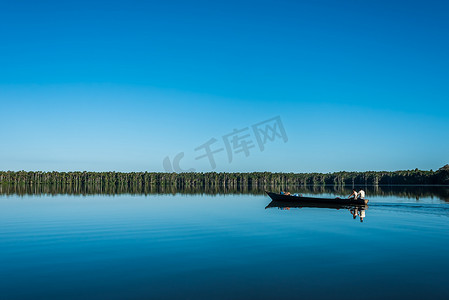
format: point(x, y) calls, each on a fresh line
point(223, 246)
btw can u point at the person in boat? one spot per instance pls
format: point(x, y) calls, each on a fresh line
point(361, 194)
point(354, 194)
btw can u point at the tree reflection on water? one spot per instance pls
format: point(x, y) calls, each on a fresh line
point(406, 191)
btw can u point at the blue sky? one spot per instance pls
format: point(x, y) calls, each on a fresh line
point(120, 85)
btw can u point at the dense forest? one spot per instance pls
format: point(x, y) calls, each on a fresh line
point(255, 179)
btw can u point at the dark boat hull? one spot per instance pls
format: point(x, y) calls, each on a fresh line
point(298, 199)
point(297, 204)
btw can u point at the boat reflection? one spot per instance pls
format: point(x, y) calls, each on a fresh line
point(355, 210)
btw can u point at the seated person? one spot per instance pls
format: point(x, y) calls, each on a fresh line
point(354, 194)
point(361, 194)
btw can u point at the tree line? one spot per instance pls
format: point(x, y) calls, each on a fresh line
point(253, 179)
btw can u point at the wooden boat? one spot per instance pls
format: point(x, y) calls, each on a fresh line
point(301, 199)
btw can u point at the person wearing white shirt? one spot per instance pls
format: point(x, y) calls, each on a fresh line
point(360, 195)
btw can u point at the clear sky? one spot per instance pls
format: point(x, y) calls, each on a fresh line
point(121, 85)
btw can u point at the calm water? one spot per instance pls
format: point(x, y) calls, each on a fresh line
point(223, 246)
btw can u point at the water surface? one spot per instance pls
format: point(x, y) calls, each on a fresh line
point(222, 246)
